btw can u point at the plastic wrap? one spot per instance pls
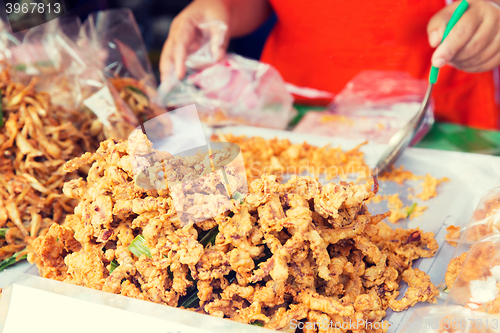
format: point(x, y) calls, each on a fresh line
point(478, 283)
point(99, 66)
point(449, 319)
point(373, 106)
point(486, 219)
point(165, 161)
point(234, 90)
point(483, 225)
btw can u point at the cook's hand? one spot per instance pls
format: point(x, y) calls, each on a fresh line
point(185, 36)
point(473, 44)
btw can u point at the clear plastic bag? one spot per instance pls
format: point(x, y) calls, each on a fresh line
point(486, 219)
point(373, 106)
point(484, 225)
point(477, 286)
point(234, 90)
point(449, 319)
point(99, 66)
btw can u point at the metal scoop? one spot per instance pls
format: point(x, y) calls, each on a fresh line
point(403, 137)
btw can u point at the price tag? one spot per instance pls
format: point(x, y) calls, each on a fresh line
point(102, 104)
point(35, 310)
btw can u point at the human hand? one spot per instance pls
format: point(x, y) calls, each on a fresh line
point(473, 44)
point(185, 36)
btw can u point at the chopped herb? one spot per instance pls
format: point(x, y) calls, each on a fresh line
point(20, 67)
point(257, 323)
point(190, 300)
point(210, 236)
point(411, 209)
point(238, 197)
point(3, 231)
point(114, 264)
point(137, 90)
point(138, 248)
point(10, 261)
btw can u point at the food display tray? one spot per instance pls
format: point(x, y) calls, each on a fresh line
point(470, 176)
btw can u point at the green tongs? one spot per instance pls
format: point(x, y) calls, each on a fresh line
point(403, 137)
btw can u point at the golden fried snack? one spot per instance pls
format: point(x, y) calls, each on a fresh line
point(281, 157)
point(454, 268)
point(289, 252)
point(36, 139)
point(453, 235)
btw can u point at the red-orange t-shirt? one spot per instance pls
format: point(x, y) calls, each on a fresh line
point(323, 44)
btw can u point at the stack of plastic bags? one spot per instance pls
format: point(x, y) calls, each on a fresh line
point(472, 279)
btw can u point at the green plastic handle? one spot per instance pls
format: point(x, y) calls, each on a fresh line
point(457, 14)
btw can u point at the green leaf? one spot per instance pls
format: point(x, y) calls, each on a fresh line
point(137, 90)
point(238, 197)
point(257, 323)
point(10, 261)
point(138, 248)
point(3, 231)
point(190, 300)
point(20, 67)
point(210, 236)
point(114, 264)
point(411, 209)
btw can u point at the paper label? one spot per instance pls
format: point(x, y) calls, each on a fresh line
point(35, 310)
point(102, 104)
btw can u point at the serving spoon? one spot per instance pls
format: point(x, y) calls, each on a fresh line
point(399, 141)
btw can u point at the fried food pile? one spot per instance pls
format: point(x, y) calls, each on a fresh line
point(298, 250)
point(36, 139)
point(280, 157)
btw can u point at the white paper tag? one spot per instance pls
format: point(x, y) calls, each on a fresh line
point(102, 104)
point(35, 310)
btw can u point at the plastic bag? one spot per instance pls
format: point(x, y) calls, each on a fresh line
point(474, 273)
point(234, 90)
point(477, 286)
point(449, 319)
point(486, 218)
point(99, 66)
point(373, 106)
point(124, 99)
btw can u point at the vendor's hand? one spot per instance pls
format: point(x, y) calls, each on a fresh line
point(473, 44)
point(184, 36)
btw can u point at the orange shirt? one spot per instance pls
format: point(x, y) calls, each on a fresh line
point(323, 44)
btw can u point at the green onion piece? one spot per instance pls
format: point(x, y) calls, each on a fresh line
point(137, 90)
point(411, 209)
point(257, 323)
point(191, 299)
point(210, 236)
point(20, 67)
point(113, 265)
point(238, 197)
point(1, 110)
point(10, 261)
point(138, 248)
point(3, 231)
